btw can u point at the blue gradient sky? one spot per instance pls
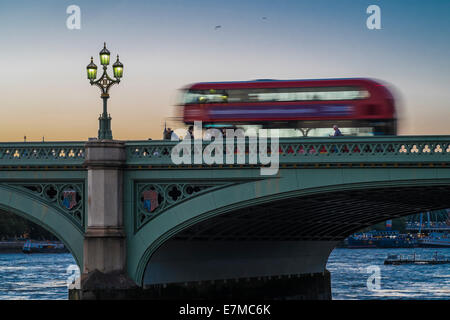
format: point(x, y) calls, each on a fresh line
point(165, 45)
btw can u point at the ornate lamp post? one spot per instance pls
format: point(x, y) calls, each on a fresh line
point(104, 83)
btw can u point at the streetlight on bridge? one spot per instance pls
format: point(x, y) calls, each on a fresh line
point(104, 83)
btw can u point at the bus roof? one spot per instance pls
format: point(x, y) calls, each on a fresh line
point(271, 83)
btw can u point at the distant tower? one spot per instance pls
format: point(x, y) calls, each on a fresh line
point(24, 138)
point(165, 130)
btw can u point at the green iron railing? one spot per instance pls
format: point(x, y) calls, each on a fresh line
point(42, 154)
point(387, 149)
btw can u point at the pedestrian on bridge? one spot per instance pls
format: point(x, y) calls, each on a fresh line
point(173, 136)
point(166, 133)
point(169, 134)
point(337, 132)
point(190, 133)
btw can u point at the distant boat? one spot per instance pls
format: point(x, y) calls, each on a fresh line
point(395, 259)
point(380, 239)
point(44, 247)
point(435, 239)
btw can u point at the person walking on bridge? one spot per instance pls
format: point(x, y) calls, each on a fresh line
point(167, 133)
point(190, 133)
point(337, 132)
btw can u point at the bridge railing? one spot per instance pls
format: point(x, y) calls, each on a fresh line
point(387, 149)
point(42, 153)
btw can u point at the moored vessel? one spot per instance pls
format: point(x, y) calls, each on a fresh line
point(381, 239)
point(435, 240)
point(44, 247)
point(395, 259)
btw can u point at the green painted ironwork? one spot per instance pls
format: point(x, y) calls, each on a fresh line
point(21, 202)
point(165, 195)
point(388, 149)
point(45, 182)
point(350, 163)
point(58, 196)
point(42, 154)
point(306, 150)
point(289, 184)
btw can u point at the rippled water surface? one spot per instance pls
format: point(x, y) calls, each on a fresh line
point(34, 276)
point(349, 275)
point(43, 276)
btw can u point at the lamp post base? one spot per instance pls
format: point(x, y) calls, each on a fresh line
point(105, 134)
point(104, 121)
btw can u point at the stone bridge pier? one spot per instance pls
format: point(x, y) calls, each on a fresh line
point(104, 273)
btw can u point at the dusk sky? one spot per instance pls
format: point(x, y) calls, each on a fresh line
point(165, 45)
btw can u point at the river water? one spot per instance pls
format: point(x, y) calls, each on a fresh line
point(350, 274)
point(44, 276)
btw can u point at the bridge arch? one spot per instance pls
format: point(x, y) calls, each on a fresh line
point(49, 218)
point(365, 186)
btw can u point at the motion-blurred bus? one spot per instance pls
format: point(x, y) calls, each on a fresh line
point(361, 107)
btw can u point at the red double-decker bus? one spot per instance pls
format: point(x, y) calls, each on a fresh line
point(300, 107)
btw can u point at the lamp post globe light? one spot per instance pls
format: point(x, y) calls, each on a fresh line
point(104, 83)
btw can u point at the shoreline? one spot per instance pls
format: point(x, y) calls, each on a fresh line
point(11, 246)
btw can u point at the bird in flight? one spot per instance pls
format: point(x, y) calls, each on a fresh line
point(217, 27)
point(264, 18)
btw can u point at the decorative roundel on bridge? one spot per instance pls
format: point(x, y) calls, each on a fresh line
point(69, 197)
point(152, 198)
